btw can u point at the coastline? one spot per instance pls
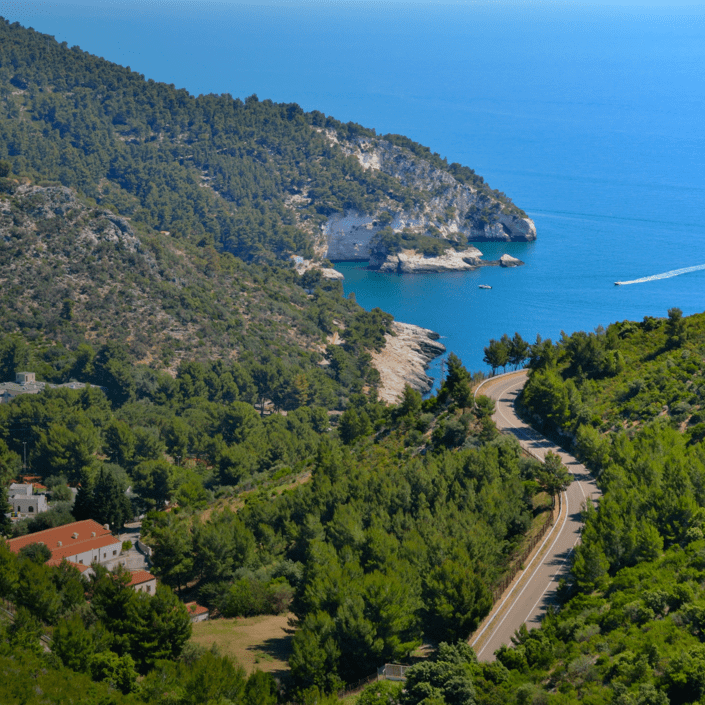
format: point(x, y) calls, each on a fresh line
point(404, 360)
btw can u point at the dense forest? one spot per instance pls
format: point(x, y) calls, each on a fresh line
point(387, 530)
point(627, 399)
point(251, 177)
point(410, 514)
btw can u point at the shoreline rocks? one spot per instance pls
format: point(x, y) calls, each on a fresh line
point(408, 261)
point(303, 265)
point(404, 360)
point(413, 262)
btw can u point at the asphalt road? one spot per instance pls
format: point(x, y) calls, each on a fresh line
point(535, 587)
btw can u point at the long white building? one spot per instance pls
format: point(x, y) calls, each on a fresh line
point(82, 542)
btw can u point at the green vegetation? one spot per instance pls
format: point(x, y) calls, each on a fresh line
point(169, 438)
point(464, 175)
point(210, 170)
point(400, 535)
point(107, 643)
point(506, 351)
point(84, 275)
point(386, 241)
point(628, 629)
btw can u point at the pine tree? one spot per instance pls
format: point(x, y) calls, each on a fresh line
point(83, 506)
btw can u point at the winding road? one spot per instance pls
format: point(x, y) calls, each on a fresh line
point(534, 589)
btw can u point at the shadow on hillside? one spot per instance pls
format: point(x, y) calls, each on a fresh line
point(277, 649)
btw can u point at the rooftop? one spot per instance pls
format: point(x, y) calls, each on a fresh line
point(195, 608)
point(90, 544)
point(140, 576)
point(60, 538)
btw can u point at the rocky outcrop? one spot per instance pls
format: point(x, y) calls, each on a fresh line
point(404, 360)
point(449, 210)
point(302, 265)
point(411, 261)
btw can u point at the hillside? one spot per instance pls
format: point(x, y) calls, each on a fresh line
point(629, 629)
point(76, 272)
point(254, 178)
point(622, 377)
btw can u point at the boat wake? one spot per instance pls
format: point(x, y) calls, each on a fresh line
point(665, 275)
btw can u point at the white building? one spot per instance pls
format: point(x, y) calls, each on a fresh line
point(26, 383)
point(81, 542)
point(142, 581)
point(23, 501)
point(198, 613)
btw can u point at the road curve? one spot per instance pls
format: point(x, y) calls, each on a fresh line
point(535, 588)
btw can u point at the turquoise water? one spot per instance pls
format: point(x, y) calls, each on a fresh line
point(591, 119)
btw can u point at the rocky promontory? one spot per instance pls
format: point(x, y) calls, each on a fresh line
point(414, 262)
point(408, 261)
point(452, 207)
point(404, 360)
point(302, 266)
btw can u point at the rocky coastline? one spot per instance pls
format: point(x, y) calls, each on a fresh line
point(404, 360)
point(413, 262)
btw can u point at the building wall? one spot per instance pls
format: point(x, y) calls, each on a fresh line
point(149, 587)
point(199, 617)
point(29, 505)
point(97, 555)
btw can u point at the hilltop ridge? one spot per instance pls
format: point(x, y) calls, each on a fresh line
point(258, 179)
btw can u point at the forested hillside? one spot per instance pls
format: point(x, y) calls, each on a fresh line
point(76, 273)
point(254, 178)
point(628, 400)
point(388, 530)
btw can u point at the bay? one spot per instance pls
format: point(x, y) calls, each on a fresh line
point(589, 117)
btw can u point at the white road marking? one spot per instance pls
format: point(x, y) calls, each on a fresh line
point(542, 444)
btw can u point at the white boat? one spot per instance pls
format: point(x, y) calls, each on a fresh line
point(484, 286)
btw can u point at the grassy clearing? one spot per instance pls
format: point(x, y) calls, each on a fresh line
point(257, 643)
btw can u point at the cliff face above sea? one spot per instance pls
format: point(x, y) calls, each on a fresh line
point(451, 211)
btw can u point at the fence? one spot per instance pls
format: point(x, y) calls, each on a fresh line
point(389, 672)
point(358, 686)
point(516, 566)
point(393, 671)
point(144, 548)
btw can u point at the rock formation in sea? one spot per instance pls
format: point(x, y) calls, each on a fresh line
point(413, 262)
point(509, 261)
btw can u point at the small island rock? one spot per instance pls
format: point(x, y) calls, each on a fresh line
point(509, 261)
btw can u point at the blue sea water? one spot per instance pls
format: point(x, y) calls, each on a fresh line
point(592, 118)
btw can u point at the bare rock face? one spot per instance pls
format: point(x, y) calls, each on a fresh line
point(411, 261)
point(509, 261)
point(404, 360)
point(303, 265)
point(451, 209)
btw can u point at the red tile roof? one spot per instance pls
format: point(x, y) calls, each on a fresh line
point(195, 609)
point(140, 576)
point(63, 534)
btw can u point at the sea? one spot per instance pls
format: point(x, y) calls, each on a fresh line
point(590, 117)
